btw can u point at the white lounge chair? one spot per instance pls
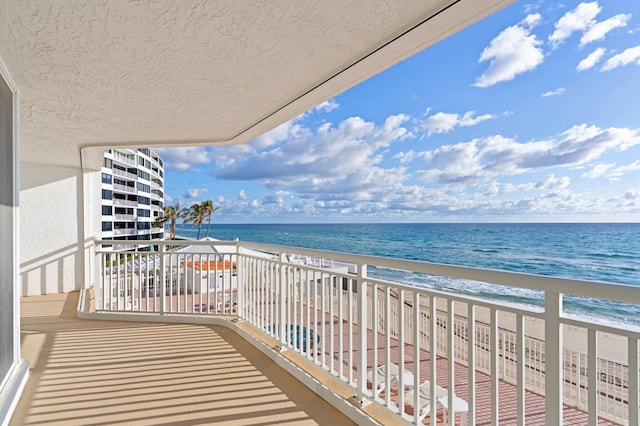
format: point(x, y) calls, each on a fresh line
point(459, 406)
point(424, 398)
point(394, 372)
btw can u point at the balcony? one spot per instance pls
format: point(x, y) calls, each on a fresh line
point(129, 159)
point(497, 360)
point(122, 173)
point(125, 231)
point(88, 372)
point(124, 188)
point(127, 203)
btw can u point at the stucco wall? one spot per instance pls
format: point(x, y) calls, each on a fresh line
point(55, 224)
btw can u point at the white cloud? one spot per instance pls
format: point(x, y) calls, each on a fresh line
point(185, 158)
point(405, 157)
point(548, 183)
point(556, 92)
point(610, 171)
point(342, 158)
point(628, 56)
point(242, 195)
point(327, 106)
point(442, 122)
point(598, 171)
point(514, 51)
point(533, 6)
point(579, 19)
point(489, 158)
point(194, 193)
point(591, 60)
point(283, 132)
point(600, 29)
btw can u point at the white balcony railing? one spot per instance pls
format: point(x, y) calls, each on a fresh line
point(124, 188)
point(128, 203)
point(495, 360)
point(125, 231)
point(122, 173)
point(119, 216)
point(123, 158)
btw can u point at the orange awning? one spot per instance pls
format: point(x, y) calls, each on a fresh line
point(211, 266)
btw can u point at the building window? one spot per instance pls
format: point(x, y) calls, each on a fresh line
point(106, 178)
point(107, 226)
point(144, 187)
point(144, 200)
point(124, 210)
point(107, 210)
point(144, 213)
point(143, 175)
point(106, 194)
point(107, 163)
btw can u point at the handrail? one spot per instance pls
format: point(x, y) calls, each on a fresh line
point(286, 291)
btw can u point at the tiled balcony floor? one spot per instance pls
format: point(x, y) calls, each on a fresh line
point(101, 372)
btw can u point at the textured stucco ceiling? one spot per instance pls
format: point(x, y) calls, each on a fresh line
point(180, 72)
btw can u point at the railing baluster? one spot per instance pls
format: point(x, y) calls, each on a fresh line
point(315, 316)
point(361, 364)
point(471, 363)
point(401, 344)
point(416, 355)
point(101, 300)
point(592, 361)
point(632, 349)
point(341, 325)
point(387, 343)
point(283, 305)
point(351, 286)
point(495, 360)
point(520, 363)
point(312, 339)
point(451, 415)
point(375, 330)
point(433, 356)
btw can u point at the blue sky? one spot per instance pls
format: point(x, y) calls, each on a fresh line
point(531, 115)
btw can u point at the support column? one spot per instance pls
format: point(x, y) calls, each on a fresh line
point(553, 374)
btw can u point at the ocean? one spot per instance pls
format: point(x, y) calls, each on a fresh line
point(605, 252)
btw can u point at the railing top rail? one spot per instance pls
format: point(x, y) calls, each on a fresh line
point(593, 289)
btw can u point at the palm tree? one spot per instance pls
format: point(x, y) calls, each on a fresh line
point(195, 216)
point(171, 214)
point(207, 210)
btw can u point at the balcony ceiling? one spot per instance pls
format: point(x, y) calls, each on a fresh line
point(177, 72)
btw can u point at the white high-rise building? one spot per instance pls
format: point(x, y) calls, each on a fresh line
point(132, 197)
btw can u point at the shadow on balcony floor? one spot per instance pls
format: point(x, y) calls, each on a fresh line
point(101, 372)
